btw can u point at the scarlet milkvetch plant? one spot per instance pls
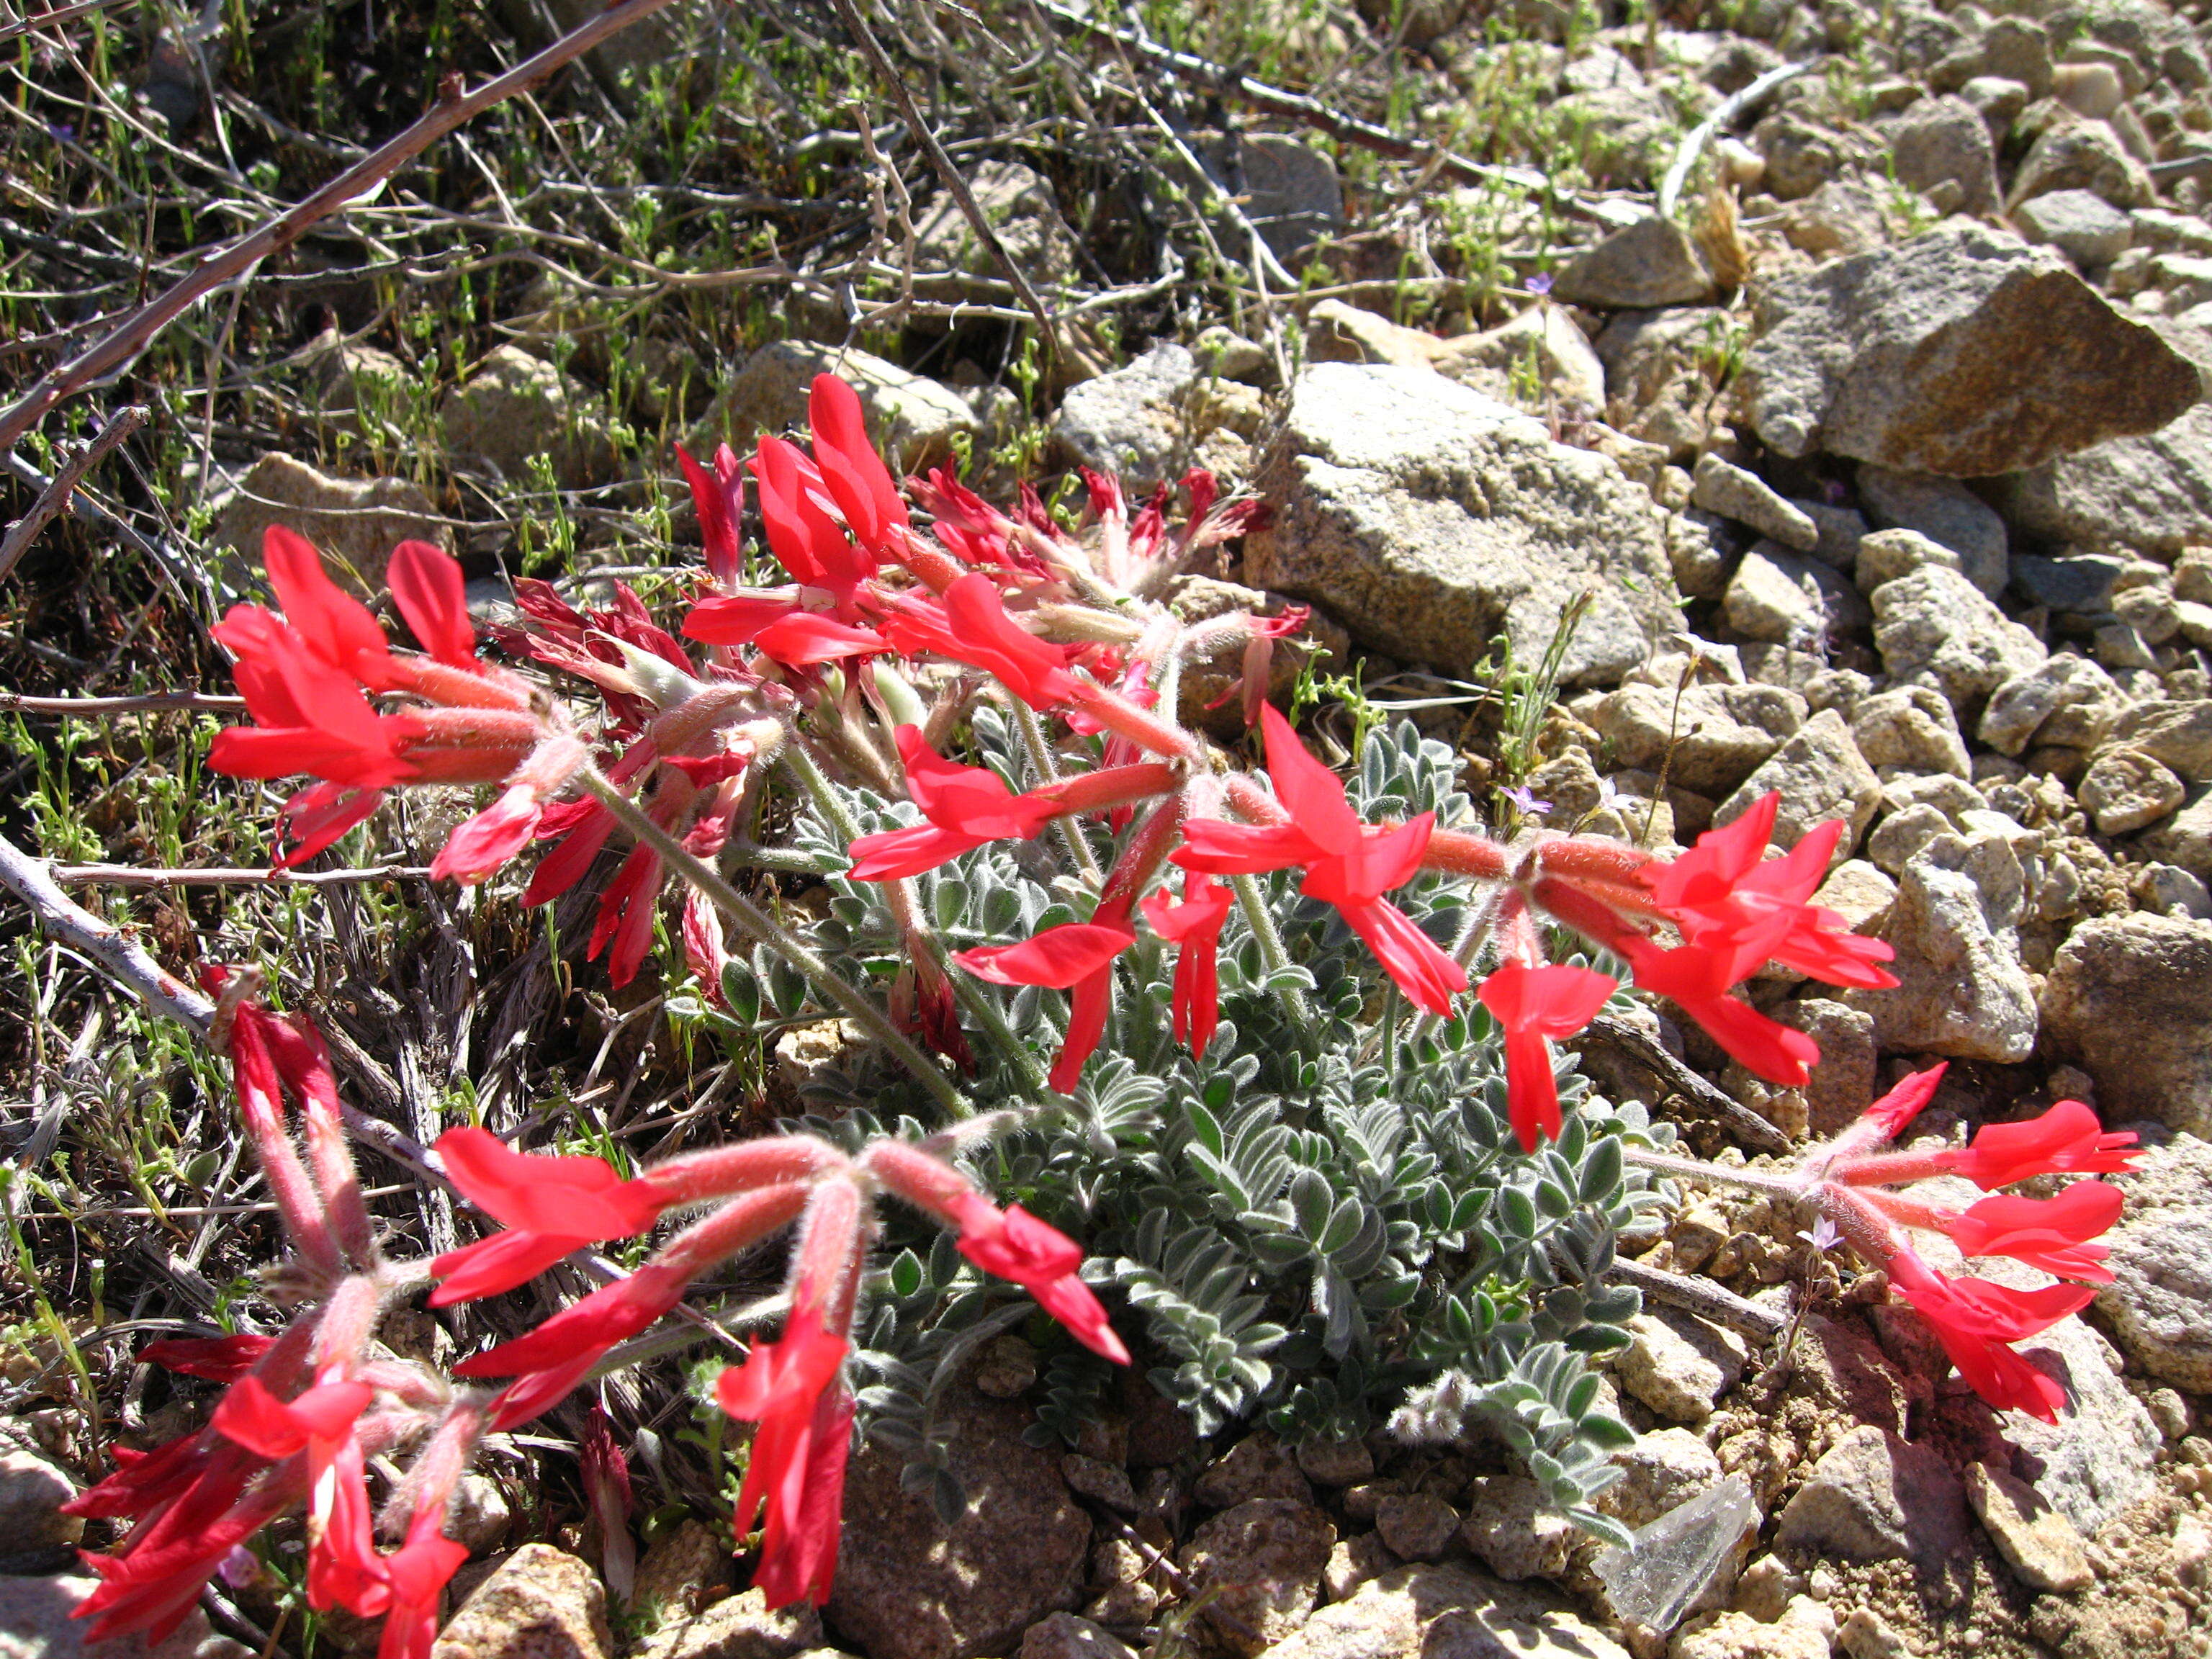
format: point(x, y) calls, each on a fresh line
point(1280, 1044)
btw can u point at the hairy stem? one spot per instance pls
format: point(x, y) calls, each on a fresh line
point(1691, 1169)
point(1041, 762)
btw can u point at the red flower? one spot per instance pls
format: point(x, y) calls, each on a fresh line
point(313, 1421)
point(968, 623)
point(852, 471)
point(1699, 977)
point(805, 539)
point(796, 1469)
point(719, 499)
point(1014, 1244)
point(1724, 889)
point(1194, 927)
point(1536, 1005)
point(966, 806)
point(2053, 1234)
point(336, 626)
point(2065, 1140)
point(1077, 957)
point(1348, 864)
point(625, 916)
point(571, 1342)
point(1887, 1117)
point(550, 1206)
point(308, 716)
point(415, 1580)
point(1975, 1320)
point(215, 1359)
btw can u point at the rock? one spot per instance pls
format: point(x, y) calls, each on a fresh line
point(1288, 190)
point(2168, 890)
point(1514, 1529)
point(2177, 735)
point(2131, 996)
point(1447, 1613)
point(1961, 990)
point(1623, 126)
point(1846, 1371)
point(1723, 487)
point(1910, 730)
point(1788, 598)
point(1735, 1636)
point(36, 1622)
point(1886, 555)
point(1352, 1562)
point(2084, 227)
point(1719, 734)
point(1650, 264)
point(516, 406)
point(1131, 421)
point(1008, 1368)
point(1948, 513)
point(478, 1515)
point(1842, 1083)
point(2069, 697)
point(2185, 839)
point(1101, 1482)
point(1820, 774)
point(2149, 494)
point(1339, 333)
point(1261, 1562)
point(1875, 1497)
point(1934, 629)
point(1018, 206)
point(2161, 1264)
point(1064, 1636)
point(356, 522)
point(1841, 218)
point(1429, 518)
point(1940, 139)
point(909, 1587)
point(1866, 1635)
point(913, 420)
point(32, 1494)
point(2100, 1458)
point(682, 1574)
point(1258, 1466)
point(2078, 582)
point(1417, 1526)
point(1961, 353)
point(1677, 1365)
point(1542, 341)
point(2085, 156)
point(2037, 1543)
point(736, 1627)
point(2091, 90)
point(2124, 790)
point(1336, 1462)
point(1664, 1467)
point(1800, 156)
point(540, 1604)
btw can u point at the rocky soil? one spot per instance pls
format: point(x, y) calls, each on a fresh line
point(1890, 486)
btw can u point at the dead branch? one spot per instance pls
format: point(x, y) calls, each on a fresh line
point(107, 945)
point(54, 498)
point(116, 350)
point(872, 50)
point(132, 875)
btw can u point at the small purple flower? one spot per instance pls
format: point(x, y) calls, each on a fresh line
point(1524, 799)
point(240, 1569)
point(1824, 1235)
point(61, 132)
point(1540, 284)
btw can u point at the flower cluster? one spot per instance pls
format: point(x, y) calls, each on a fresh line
point(793, 1387)
point(1066, 627)
point(1849, 1181)
point(305, 1410)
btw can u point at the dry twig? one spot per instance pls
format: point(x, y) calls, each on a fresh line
point(54, 498)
